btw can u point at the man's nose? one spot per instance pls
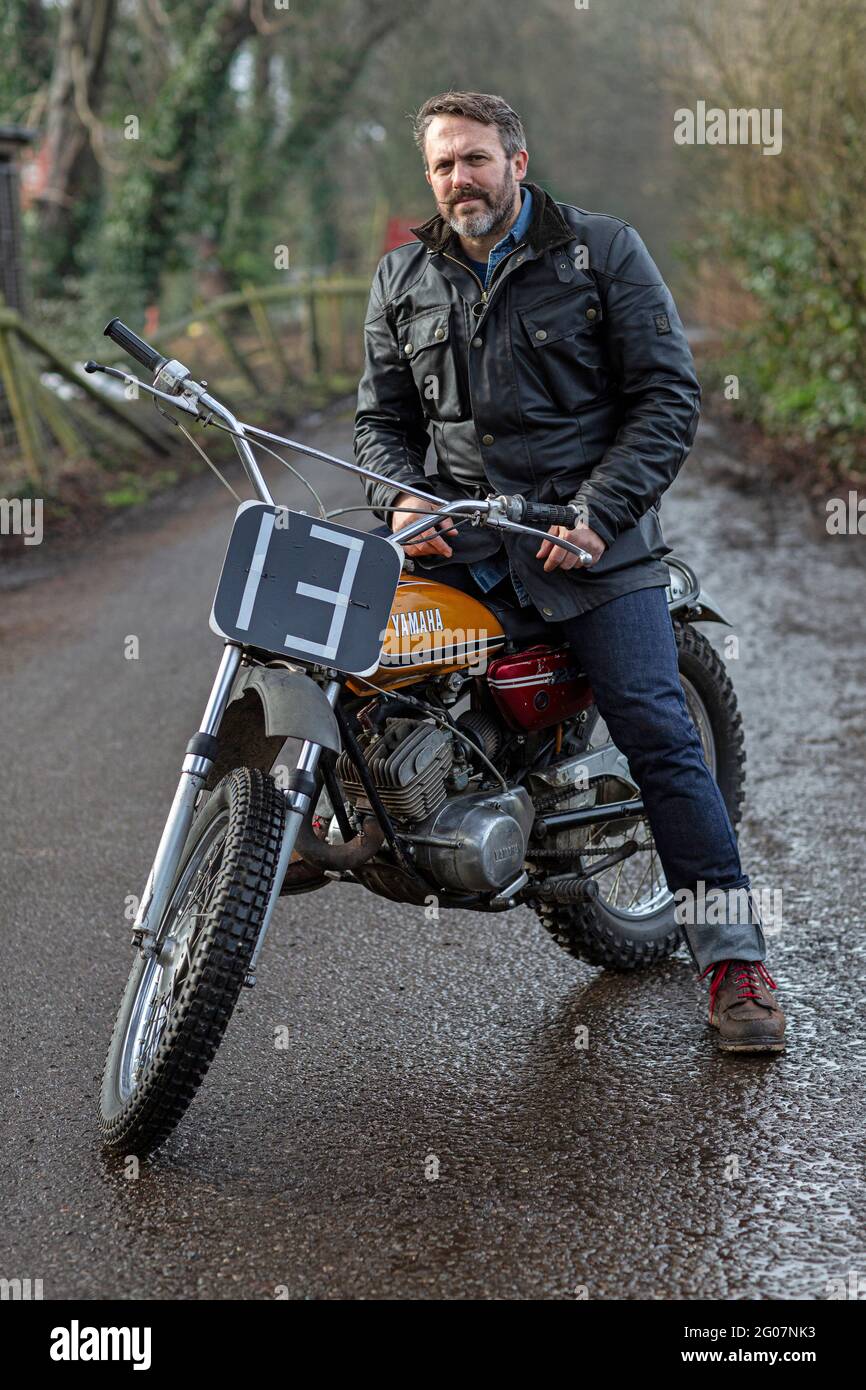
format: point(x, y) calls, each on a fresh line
point(461, 176)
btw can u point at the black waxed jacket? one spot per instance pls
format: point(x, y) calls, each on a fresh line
point(568, 379)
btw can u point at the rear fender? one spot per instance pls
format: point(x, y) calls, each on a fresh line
point(686, 599)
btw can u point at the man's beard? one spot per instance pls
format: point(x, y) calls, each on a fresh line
point(499, 207)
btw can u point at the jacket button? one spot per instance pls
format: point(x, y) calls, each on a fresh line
point(487, 439)
point(540, 334)
point(592, 313)
point(440, 333)
point(548, 612)
point(408, 349)
point(477, 342)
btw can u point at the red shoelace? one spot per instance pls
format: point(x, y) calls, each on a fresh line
point(748, 976)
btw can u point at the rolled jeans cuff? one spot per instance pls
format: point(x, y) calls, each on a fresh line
point(721, 923)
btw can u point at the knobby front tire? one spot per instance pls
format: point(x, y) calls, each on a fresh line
point(176, 1006)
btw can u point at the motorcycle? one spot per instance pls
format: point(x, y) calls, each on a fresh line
point(451, 756)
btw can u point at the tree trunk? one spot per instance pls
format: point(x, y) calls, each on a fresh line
point(73, 172)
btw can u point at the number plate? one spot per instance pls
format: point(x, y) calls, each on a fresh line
point(306, 589)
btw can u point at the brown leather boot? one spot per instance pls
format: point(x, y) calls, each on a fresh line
point(742, 1008)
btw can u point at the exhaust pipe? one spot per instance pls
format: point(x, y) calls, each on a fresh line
point(348, 856)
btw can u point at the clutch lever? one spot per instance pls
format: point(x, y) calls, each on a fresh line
point(179, 402)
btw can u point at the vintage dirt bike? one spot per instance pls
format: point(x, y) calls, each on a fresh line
point(446, 750)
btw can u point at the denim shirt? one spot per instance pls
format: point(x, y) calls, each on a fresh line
point(487, 573)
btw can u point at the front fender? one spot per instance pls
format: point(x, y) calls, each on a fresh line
point(268, 705)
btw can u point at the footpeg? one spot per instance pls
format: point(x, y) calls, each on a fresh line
point(566, 888)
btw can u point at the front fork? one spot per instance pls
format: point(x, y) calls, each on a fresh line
point(297, 805)
point(197, 765)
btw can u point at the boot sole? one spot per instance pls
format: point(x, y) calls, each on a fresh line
point(744, 1045)
point(755, 1045)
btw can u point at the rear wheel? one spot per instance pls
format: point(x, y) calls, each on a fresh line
point(631, 923)
point(178, 1000)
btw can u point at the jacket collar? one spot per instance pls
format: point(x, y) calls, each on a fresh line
point(547, 225)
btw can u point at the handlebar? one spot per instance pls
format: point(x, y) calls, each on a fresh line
point(135, 346)
point(507, 513)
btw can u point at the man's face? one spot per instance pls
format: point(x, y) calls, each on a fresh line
point(474, 182)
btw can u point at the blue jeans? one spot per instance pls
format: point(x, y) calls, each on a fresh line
point(628, 650)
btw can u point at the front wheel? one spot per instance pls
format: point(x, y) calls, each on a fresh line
point(631, 922)
point(179, 999)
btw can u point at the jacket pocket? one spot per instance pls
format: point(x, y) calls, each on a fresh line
point(425, 343)
point(566, 338)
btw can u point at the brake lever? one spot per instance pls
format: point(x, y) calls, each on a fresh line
point(179, 402)
point(503, 524)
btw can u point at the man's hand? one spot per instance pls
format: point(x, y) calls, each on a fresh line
point(556, 558)
point(428, 542)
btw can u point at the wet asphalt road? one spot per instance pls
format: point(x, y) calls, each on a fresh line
point(562, 1173)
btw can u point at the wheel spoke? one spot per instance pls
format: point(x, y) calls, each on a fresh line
point(162, 983)
point(640, 883)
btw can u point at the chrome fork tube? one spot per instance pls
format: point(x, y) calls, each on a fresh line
point(297, 807)
point(195, 769)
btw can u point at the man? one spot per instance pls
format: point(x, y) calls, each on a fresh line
point(542, 346)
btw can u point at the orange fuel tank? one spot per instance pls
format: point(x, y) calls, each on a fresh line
point(433, 627)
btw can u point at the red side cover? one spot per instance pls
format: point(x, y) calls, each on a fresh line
point(538, 687)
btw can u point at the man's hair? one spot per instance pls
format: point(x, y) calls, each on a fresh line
point(477, 106)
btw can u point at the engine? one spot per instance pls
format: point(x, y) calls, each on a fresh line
point(413, 764)
point(463, 840)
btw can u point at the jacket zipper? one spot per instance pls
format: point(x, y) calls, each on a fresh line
point(485, 295)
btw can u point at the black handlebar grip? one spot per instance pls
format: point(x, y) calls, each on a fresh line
point(550, 514)
point(135, 346)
